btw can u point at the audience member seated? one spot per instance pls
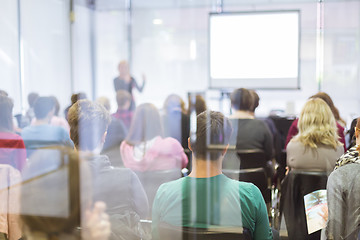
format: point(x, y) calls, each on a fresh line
point(116, 133)
point(249, 133)
point(176, 121)
point(340, 123)
point(74, 98)
point(12, 147)
point(119, 188)
point(57, 201)
point(343, 195)
point(316, 146)
point(123, 113)
point(207, 197)
point(41, 133)
point(30, 115)
point(145, 149)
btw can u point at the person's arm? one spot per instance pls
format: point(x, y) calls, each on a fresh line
point(136, 85)
point(139, 197)
point(262, 228)
point(293, 130)
point(336, 205)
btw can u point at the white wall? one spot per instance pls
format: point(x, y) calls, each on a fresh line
point(46, 42)
point(9, 52)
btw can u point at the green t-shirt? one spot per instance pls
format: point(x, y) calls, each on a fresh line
point(204, 202)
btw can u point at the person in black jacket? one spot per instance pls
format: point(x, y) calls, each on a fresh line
point(119, 188)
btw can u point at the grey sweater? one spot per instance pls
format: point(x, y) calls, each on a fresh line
point(343, 189)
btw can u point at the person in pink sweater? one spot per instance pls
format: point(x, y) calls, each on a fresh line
point(145, 149)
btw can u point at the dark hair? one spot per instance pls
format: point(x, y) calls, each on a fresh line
point(42, 106)
point(44, 187)
point(145, 125)
point(255, 99)
point(212, 128)
point(324, 96)
point(241, 99)
point(122, 97)
point(77, 96)
point(6, 108)
point(199, 105)
point(88, 122)
point(32, 98)
point(57, 105)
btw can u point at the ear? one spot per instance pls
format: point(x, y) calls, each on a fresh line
point(225, 149)
point(103, 137)
point(189, 144)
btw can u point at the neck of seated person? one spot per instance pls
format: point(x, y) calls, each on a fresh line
point(241, 114)
point(202, 168)
point(43, 121)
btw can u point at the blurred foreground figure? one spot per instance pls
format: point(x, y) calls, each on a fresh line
point(119, 188)
point(56, 199)
point(343, 189)
point(207, 197)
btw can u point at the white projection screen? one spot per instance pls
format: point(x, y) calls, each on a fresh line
point(258, 50)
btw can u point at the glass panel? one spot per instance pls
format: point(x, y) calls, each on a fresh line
point(46, 44)
point(9, 52)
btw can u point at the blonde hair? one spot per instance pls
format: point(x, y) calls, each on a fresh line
point(317, 125)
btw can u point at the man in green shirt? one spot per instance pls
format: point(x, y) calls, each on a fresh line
point(206, 197)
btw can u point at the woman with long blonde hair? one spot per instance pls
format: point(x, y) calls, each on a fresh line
point(316, 146)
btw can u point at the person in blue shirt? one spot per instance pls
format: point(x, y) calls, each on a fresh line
point(40, 133)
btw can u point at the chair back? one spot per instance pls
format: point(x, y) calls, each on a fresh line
point(252, 158)
point(167, 231)
point(151, 181)
point(294, 187)
point(33, 145)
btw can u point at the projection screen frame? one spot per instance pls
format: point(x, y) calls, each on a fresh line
point(239, 81)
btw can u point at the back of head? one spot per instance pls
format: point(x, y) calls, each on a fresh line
point(241, 99)
point(88, 123)
point(255, 100)
point(324, 96)
point(122, 98)
point(77, 96)
point(32, 98)
point(200, 104)
point(50, 193)
point(317, 124)
point(43, 106)
point(212, 128)
point(174, 103)
point(105, 102)
point(3, 93)
point(6, 107)
point(146, 124)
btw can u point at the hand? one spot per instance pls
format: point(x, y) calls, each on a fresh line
point(144, 78)
point(324, 212)
point(97, 225)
